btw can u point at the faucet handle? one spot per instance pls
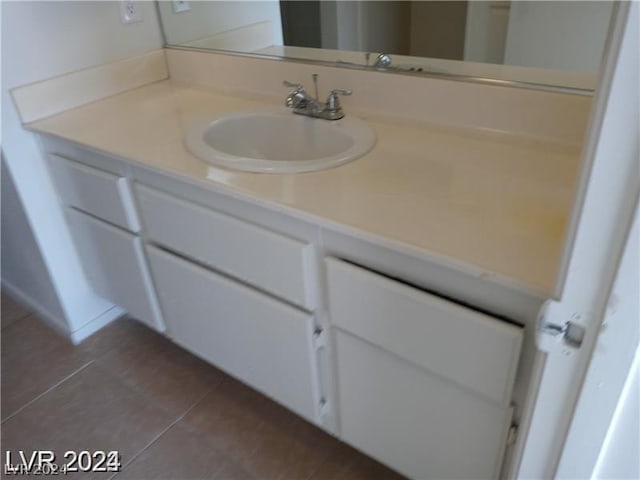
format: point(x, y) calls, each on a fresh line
point(333, 102)
point(287, 83)
point(338, 91)
point(298, 97)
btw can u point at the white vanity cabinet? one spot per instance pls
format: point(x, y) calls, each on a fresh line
point(254, 337)
point(235, 294)
point(423, 384)
point(267, 260)
point(413, 379)
point(115, 266)
point(102, 194)
point(102, 218)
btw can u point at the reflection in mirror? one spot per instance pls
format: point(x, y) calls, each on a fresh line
point(543, 43)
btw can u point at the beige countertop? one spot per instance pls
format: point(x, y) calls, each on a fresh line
point(496, 203)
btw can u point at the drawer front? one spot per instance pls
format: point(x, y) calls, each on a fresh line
point(414, 421)
point(271, 262)
point(94, 191)
point(462, 345)
point(114, 263)
point(261, 341)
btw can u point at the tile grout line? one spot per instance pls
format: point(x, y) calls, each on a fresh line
point(28, 314)
point(4, 328)
point(157, 437)
point(131, 386)
point(227, 457)
point(145, 448)
point(47, 391)
point(222, 454)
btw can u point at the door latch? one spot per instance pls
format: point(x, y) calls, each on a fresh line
point(571, 333)
point(319, 338)
point(553, 333)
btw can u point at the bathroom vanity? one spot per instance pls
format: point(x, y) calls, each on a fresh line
point(391, 300)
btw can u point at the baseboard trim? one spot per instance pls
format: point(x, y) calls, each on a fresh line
point(55, 321)
point(96, 324)
point(58, 323)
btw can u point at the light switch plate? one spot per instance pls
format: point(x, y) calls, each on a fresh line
point(180, 6)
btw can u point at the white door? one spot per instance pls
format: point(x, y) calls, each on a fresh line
point(604, 438)
point(486, 31)
point(565, 35)
point(606, 202)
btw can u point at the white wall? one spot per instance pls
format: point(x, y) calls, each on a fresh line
point(486, 31)
point(379, 26)
point(206, 19)
point(566, 35)
point(606, 427)
point(42, 40)
point(22, 264)
point(348, 26)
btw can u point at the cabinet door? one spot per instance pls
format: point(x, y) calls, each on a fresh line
point(270, 261)
point(103, 194)
point(424, 384)
point(473, 349)
point(414, 421)
point(262, 341)
point(114, 263)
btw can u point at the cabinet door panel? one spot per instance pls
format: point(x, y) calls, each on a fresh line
point(263, 342)
point(115, 266)
point(418, 423)
point(473, 349)
point(270, 261)
point(99, 193)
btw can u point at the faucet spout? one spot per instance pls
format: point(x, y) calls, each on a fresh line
point(304, 104)
point(382, 61)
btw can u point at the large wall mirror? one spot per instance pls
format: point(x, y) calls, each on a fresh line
point(556, 44)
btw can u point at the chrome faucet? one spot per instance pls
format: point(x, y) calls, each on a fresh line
point(382, 61)
point(304, 104)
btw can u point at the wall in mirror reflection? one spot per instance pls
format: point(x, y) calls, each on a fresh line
point(466, 37)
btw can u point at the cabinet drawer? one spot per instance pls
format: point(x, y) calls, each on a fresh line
point(259, 340)
point(414, 421)
point(272, 262)
point(94, 191)
point(462, 345)
point(114, 263)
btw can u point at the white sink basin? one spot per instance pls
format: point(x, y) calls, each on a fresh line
point(279, 142)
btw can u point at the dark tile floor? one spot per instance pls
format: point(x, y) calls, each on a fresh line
point(169, 414)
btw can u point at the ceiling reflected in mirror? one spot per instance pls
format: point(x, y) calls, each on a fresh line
point(557, 44)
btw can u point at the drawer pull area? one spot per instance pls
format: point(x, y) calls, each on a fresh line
point(473, 349)
point(269, 261)
point(102, 194)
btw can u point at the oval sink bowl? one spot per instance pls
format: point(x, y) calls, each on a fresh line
point(279, 142)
